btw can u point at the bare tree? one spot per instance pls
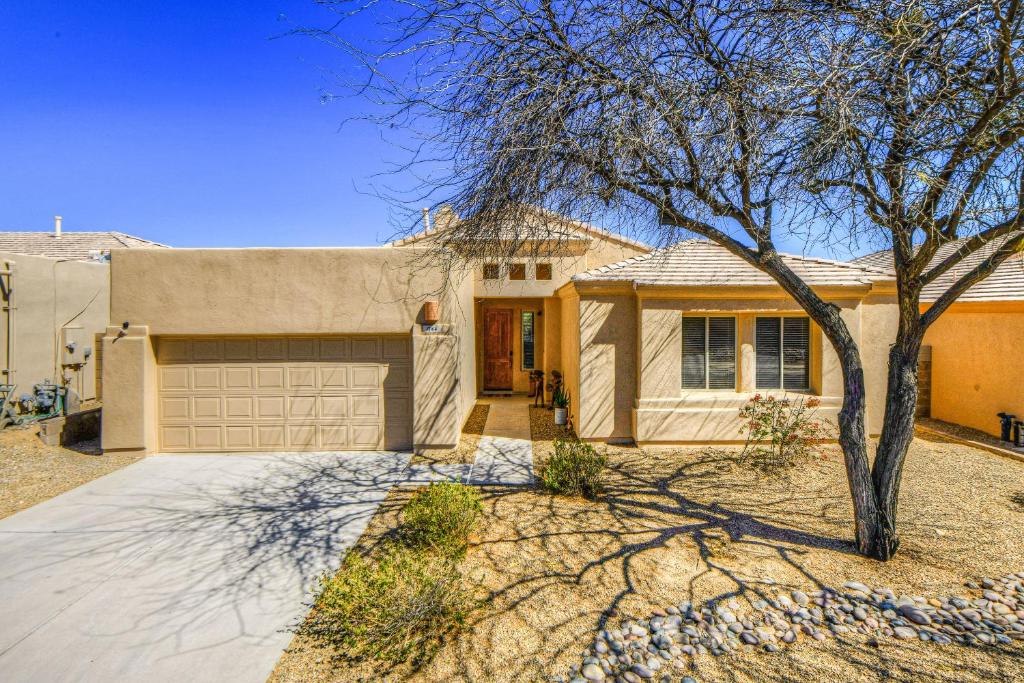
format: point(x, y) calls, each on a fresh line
point(743, 122)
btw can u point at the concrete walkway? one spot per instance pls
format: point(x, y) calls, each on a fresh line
point(504, 455)
point(179, 568)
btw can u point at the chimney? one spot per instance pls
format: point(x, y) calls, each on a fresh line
point(56, 226)
point(426, 219)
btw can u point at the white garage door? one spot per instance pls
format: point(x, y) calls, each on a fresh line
point(285, 393)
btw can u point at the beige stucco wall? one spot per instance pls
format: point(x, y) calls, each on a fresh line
point(49, 294)
point(607, 380)
point(605, 251)
point(653, 407)
point(570, 348)
point(286, 291)
point(977, 369)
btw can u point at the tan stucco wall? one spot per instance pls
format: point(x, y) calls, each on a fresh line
point(977, 369)
point(607, 382)
point(611, 324)
point(605, 251)
point(47, 295)
point(286, 291)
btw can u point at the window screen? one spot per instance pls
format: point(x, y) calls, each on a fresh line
point(528, 340)
point(709, 353)
point(783, 353)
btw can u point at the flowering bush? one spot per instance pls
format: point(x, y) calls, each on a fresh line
point(780, 431)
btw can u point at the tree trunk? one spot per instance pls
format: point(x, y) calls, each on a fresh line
point(854, 442)
point(897, 434)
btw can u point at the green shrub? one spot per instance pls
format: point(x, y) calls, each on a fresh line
point(441, 517)
point(575, 469)
point(395, 607)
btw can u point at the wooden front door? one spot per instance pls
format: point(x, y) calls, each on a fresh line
point(498, 349)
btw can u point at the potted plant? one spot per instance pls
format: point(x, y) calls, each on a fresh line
point(560, 402)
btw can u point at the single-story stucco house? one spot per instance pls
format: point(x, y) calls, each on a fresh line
point(331, 349)
point(56, 305)
point(977, 369)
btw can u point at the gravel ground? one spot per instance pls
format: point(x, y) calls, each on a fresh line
point(31, 471)
point(464, 452)
point(694, 524)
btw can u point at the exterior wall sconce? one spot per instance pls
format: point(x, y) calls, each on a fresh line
point(430, 313)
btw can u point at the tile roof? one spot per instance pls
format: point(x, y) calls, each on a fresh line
point(702, 263)
point(556, 228)
point(1005, 284)
point(79, 246)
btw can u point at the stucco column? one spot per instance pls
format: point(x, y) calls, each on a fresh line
point(435, 388)
point(129, 390)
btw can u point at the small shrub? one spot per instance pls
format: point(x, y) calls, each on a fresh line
point(575, 469)
point(780, 431)
point(395, 607)
point(441, 517)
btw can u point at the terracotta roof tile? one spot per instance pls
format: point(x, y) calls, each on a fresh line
point(701, 263)
point(1005, 284)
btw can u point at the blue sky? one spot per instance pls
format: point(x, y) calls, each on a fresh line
point(182, 122)
point(190, 123)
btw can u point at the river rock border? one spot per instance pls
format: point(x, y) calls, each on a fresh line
point(655, 648)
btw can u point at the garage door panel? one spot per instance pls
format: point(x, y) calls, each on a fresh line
point(240, 437)
point(365, 376)
point(335, 349)
point(238, 408)
point(205, 378)
point(270, 378)
point(302, 408)
point(270, 437)
point(302, 437)
point(284, 393)
point(271, 349)
point(270, 408)
point(174, 379)
point(174, 408)
point(302, 377)
point(206, 408)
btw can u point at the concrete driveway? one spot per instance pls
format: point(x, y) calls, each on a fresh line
point(183, 568)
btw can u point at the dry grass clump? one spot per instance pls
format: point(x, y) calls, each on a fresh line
point(440, 518)
point(397, 605)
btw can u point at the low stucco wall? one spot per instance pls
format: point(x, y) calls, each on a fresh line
point(977, 365)
point(49, 294)
point(193, 292)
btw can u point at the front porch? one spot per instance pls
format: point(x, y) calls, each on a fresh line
point(514, 337)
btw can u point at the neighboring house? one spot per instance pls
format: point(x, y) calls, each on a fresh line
point(55, 288)
point(332, 349)
point(975, 346)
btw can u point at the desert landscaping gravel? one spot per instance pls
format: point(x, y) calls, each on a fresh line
point(695, 528)
point(31, 471)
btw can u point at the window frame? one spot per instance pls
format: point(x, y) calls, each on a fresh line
point(533, 340)
point(782, 353)
point(707, 351)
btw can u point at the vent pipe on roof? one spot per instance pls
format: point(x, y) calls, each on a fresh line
point(426, 219)
point(56, 226)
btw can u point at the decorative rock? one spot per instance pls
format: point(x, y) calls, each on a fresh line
point(642, 671)
point(800, 598)
point(914, 614)
point(592, 672)
point(905, 633)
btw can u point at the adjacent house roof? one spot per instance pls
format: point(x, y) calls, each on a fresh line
point(1005, 284)
point(702, 263)
point(81, 246)
point(557, 228)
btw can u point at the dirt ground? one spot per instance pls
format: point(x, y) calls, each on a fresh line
point(31, 471)
point(466, 450)
point(694, 524)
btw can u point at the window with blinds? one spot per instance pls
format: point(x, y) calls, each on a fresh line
point(783, 353)
point(709, 353)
